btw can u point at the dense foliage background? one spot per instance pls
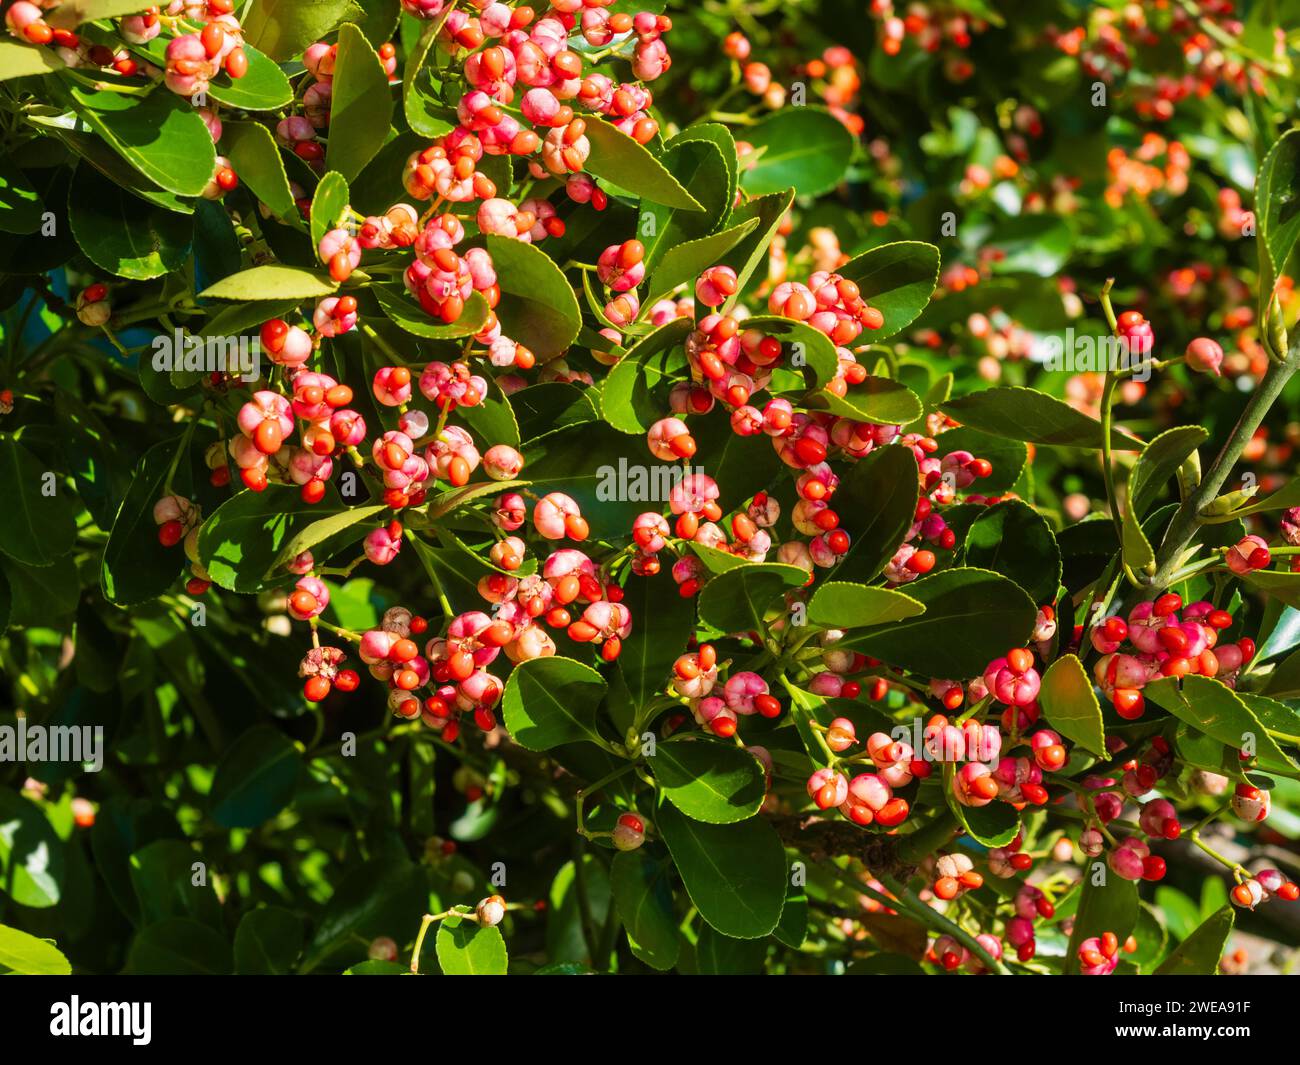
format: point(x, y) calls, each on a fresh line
point(980, 169)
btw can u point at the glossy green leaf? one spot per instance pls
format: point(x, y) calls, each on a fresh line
point(121, 233)
point(734, 874)
point(328, 206)
point(255, 778)
point(1199, 953)
point(41, 520)
point(466, 948)
point(844, 605)
point(1070, 705)
point(644, 899)
point(804, 147)
point(683, 262)
point(1013, 539)
point(538, 308)
point(136, 567)
point(876, 501)
point(1159, 463)
point(1109, 903)
point(550, 701)
point(1025, 414)
point(32, 865)
point(264, 87)
point(619, 159)
point(160, 135)
point(411, 318)
point(252, 151)
point(738, 600)
point(663, 622)
point(878, 400)
point(709, 781)
point(971, 617)
point(896, 279)
point(635, 395)
point(28, 956)
point(699, 166)
point(273, 282)
point(283, 28)
point(1214, 709)
point(21, 208)
point(361, 106)
point(180, 946)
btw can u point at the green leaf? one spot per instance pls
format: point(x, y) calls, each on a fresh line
point(273, 282)
point(375, 898)
point(734, 874)
point(635, 395)
point(645, 904)
point(682, 263)
point(180, 946)
point(550, 701)
point(25, 954)
point(663, 622)
point(417, 103)
point(328, 204)
point(160, 135)
point(1111, 906)
point(136, 567)
point(804, 348)
point(844, 605)
point(103, 158)
point(20, 204)
point(1281, 585)
point(1159, 463)
point(466, 948)
point(361, 107)
point(1007, 457)
point(162, 879)
point(1199, 953)
point(1026, 414)
point(1070, 704)
point(720, 137)
point(40, 528)
point(255, 778)
point(1013, 539)
point(718, 783)
point(328, 530)
point(994, 825)
point(1276, 186)
point(242, 542)
point(876, 501)
point(1139, 556)
point(284, 28)
point(719, 955)
point(561, 461)
point(1284, 681)
point(896, 279)
point(1210, 707)
point(971, 617)
point(252, 150)
point(701, 169)
point(619, 159)
point(804, 147)
point(22, 60)
point(752, 252)
point(268, 942)
point(31, 854)
point(77, 12)
point(264, 87)
point(737, 601)
point(878, 400)
point(410, 317)
point(538, 308)
point(121, 233)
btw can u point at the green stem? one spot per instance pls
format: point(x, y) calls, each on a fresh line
point(1185, 523)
